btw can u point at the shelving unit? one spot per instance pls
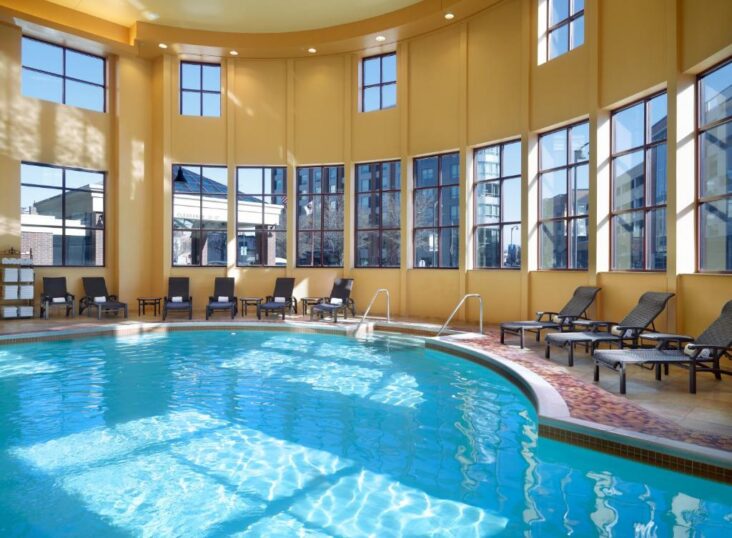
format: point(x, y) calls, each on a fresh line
point(17, 286)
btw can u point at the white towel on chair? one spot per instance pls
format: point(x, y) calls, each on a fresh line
point(279, 299)
point(336, 301)
point(58, 300)
point(176, 299)
point(100, 299)
point(223, 299)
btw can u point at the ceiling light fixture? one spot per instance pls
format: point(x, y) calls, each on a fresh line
point(233, 53)
point(380, 38)
point(449, 15)
point(162, 45)
point(312, 50)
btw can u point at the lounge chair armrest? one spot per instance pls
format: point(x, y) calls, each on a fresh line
point(706, 346)
point(541, 314)
point(211, 299)
point(663, 339)
point(69, 296)
point(113, 297)
point(268, 298)
point(593, 325)
point(637, 330)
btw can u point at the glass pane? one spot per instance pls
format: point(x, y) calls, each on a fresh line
point(511, 200)
point(388, 96)
point(84, 67)
point(84, 247)
point(371, 71)
point(84, 95)
point(39, 205)
point(449, 247)
point(45, 242)
point(84, 209)
point(512, 246)
point(553, 245)
point(303, 180)
point(449, 206)
point(391, 209)
point(213, 248)
point(367, 249)
point(275, 212)
point(558, 41)
point(191, 103)
point(716, 160)
point(657, 171)
point(333, 180)
point(81, 179)
point(577, 32)
point(332, 249)
point(393, 178)
point(579, 244)
point(425, 208)
point(488, 163)
point(488, 202)
point(488, 248)
point(657, 116)
point(186, 247)
point(307, 244)
point(42, 86)
point(558, 11)
point(250, 211)
point(364, 178)
point(190, 76)
point(212, 78)
point(580, 185)
point(553, 150)
point(308, 212)
point(628, 241)
point(278, 181)
point(425, 248)
point(512, 159)
point(388, 68)
point(716, 98)
point(333, 212)
point(628, 181)
point(211, 105)
point(247, 248)
point(316, 178)
point(390, 248)
point(371, 99)
point(627, 126)
point(41, 175)
point(279, 241)
point(186, 211)
point(716, 235)
point(450, 169)
point(42, 56)
point(425, 170)
point(553, 194)
point(367, 210)
point(577, 6)
point(579, 139)
point(656, 239)
point(249, 180)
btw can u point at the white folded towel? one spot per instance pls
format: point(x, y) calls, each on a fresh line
point(177, 299)
point(279, 299)
point(223, 299)
point(100, 299)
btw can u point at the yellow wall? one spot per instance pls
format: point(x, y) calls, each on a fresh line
point(473, 82)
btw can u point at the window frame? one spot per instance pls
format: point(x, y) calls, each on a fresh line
point(646, 208)
point(699, 131)
point(263, 195)
point(380, 84)
point(566, 21)
point(380, 229)
point(64, 77)
point(200, 227)
point(501, 223)
point(200, 92)
point(63, 226)
point(321, 229)
point(568, 219)
point(439, 227)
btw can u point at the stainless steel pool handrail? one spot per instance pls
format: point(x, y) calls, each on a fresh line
point(368, 308)
point(460, 303)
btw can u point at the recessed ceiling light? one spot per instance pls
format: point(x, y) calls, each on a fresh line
point(380, 38)
point(312, 50)
point(162, 45)
point(449, 16)
point(233, 53)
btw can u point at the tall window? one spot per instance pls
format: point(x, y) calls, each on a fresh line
point(320, 216)
point(639, 186)
point(200, 89)
point(261, 216)
point(199, 215)
point(564, 185)
point(437, 210)
point(566, 26)
point(715, 168)
point(62, 215)
point(497, 206)
point(63, 75)
point(378, 82)
point(378, 214)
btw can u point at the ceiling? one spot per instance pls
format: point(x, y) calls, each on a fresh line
point(246, 16)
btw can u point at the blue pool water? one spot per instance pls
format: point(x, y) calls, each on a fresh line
point(275, 434)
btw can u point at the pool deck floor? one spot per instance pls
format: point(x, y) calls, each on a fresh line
point(663, 409)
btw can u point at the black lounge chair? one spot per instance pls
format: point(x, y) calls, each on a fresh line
point(97, 297)
point(575, 309)
point(649, 306)
point(281, 300)
point(178, 298)
point(711, 346)
point(54, 294)
point(223, 298)
point(339, 301)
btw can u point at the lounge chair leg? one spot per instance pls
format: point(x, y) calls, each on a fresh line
point(521, 338)
point(622, 379)
point(665, 368)
point(692, 376)
point(571, 355)
point(717, 371)
point(547, 351)
point(658, 371)
point(503, 336)
point(596, 377)
point(99, 313)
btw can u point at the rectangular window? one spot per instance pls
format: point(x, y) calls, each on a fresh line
point(378, 82)
point(564, 186)
point(200, 89)
point(497, 206)
point(320, 216)
point(638, 165)
point(261, 216)
point(378, 214)
point(714, 146)
point(62, 215)
point(63, 75)
point(565, 26)
point(437, 211)
point(200, 213)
